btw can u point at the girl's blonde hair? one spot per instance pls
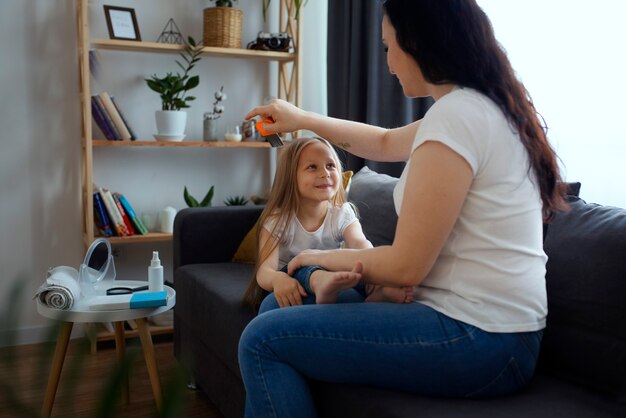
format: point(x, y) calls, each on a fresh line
point(283, 204)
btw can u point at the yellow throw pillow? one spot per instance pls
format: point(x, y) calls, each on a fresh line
point(246, 253)
point(347, 179)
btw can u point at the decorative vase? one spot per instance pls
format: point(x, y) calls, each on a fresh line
point(171, 124)
point(166, 219)
point(222, 27)
point(209, 129)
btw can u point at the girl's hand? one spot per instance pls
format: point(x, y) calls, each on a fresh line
point(305, 258)
point(287, 117)
point(288, 292)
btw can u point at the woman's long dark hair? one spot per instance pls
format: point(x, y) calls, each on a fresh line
point(453, 41)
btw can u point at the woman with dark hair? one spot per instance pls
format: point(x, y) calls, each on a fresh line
point(480, 178)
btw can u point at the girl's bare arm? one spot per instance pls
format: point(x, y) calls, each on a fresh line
point(287, 290)
point(354, 238)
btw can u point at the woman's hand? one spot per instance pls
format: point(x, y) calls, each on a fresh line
point(305, 258)
point(288, 292)
point(287, 117)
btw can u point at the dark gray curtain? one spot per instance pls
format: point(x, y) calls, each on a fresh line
point(360, 87)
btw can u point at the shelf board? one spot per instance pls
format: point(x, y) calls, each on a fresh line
point(150, 237)
point(154, 330)
point(135, 46)
point(208, 144)
point(101, 334)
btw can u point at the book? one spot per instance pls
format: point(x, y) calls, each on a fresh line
point(125, 218)
point(114, 213)
point(117, 223)
point(115, 116)
point(132, 133)
point(101, 217)
point(136, 220)
point(107, 118)
point(100, 120)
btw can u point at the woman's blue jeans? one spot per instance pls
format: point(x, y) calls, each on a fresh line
point(409, 347)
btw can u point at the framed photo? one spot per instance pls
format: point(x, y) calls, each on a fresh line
point(122, 23)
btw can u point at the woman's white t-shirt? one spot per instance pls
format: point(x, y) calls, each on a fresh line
point(329, 236)
point(491, 270)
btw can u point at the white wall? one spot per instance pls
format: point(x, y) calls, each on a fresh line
point(40, 209)
point(571, 56)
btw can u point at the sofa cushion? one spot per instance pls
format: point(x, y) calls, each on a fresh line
point(573, 188)
point(372, 194)
point(545, 396)
point(585, 337)
point(209, 301)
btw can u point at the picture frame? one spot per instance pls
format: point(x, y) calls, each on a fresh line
point(122, 23)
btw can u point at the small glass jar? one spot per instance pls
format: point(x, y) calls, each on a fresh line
point(233, 134)
point(248, 131)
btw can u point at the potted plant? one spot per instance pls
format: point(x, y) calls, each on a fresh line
point(236, 201)
point(192, 202)
point(173, 89)
point(210, 118)
point(222, 25)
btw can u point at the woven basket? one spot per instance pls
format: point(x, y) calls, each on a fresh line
point(222, 27)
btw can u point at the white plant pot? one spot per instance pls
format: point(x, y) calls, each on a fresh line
point(171, 122)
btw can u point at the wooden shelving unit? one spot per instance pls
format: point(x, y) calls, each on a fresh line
point(202, 144)
point(289, 88)
point(133, 46)
point(150, 237)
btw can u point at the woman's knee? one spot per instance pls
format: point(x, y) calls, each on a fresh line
point(251, 340)
point(260, 330)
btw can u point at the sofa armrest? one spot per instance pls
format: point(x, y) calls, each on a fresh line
point(211, 235)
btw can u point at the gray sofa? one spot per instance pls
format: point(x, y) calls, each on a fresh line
point(582, 366)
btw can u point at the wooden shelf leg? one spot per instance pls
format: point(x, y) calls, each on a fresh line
point(148, 353)
point(63, 340)
point(120, 348)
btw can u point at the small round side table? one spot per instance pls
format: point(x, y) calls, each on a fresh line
point(80, 313)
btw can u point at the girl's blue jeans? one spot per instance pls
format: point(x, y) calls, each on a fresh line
point(408, 347)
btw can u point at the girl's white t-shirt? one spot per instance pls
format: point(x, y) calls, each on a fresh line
point(328, 236)
point(491, 270)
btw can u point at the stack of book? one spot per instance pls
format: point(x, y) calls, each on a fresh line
point(109, 118)
point(114, 216)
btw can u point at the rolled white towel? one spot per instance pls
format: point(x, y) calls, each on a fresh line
point(61, 288)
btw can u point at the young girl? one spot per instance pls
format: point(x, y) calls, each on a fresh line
point(307, 210)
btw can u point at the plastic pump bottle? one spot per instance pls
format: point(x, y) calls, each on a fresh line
point(155, 274)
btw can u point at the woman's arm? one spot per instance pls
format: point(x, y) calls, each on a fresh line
point(287, 290)
point(366, 141)
point(436, 187)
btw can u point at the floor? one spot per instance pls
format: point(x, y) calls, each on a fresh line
point(90, 383)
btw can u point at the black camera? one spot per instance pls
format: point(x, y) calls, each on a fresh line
point(266, 41)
